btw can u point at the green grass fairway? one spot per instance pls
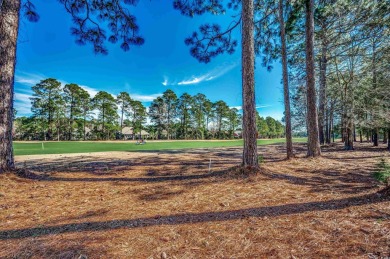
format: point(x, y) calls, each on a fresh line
point(63, 147)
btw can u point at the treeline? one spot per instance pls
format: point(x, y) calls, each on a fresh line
point(70, 113)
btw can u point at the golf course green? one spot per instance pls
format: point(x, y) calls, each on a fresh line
point(64, 147)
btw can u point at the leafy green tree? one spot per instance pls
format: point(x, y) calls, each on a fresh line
point(157, 112)
point(184, 105)
point(279, 129)
point(198, 111)
point(271, 123)
point(221, 112)
point(139, 115)
point(85, 109)
point(74, 98)
point(209, 113)
point(124, 101)
point(234, 120)
point(28, 128)
point(170, 100)
point(106, 105)
point(262, 126)
point(46, 104)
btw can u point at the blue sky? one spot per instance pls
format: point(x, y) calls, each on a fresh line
point(46, 49)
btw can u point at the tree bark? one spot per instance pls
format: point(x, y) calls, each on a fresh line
point(388, 139)
point(249, 158)
point(374, 85)
point(286, 91)
point(327, 126)
point(313, 145)
point(331, 128)
point(84, 127)
point(71, 119)
point(348, 144)
point(9, 23)
point(375, 137)
point(322, 91)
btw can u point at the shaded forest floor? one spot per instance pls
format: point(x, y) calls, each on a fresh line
point(169, 204)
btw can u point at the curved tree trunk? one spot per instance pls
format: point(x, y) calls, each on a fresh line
point(286, 91)
point(248, 86)
point(313, 144)
point(9, 22)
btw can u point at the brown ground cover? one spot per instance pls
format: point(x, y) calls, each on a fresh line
point(171, 205)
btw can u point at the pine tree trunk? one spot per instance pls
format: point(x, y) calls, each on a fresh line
point(385, 136)
point(348, 144)
point(84, 127)
point(313, 145)
point(349, 131)
point(71, 119)
point(322, 91)
point(327, 130)
point(376, 137)
point(374, 85)
point(286, 91)
point(168, 126)
point(103, 135)
point(248, 86)
point(9, 23)
point(388, 139)
point(331, 128)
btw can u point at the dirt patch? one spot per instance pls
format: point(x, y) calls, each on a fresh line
point(184, 204)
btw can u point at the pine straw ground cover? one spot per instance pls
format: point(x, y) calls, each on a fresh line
point(170, 205)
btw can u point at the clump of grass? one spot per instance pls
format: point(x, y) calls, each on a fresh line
point(383, 173)
point(260, 159)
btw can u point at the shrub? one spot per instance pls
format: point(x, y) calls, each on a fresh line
point(383, 173)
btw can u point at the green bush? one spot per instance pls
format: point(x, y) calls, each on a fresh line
point(383, 173)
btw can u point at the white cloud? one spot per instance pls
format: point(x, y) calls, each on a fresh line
point(28, 78)
point(194, 80)
point(257, 106)
point(22, 104)
point(262, 106)
point(165, 83)
point(213, 74)
point(145, 98)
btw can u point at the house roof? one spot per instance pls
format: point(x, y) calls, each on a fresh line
point(127, 130)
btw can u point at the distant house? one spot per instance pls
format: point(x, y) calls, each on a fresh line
point(237, 134)
point(128, 133)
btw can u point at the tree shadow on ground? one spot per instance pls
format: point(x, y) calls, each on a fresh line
point(152, 164)
point(343, 173)
point(68, 249)
point(192, 218)
point(193, 170)
point(325, 181)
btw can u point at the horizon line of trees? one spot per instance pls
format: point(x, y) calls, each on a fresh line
point(70, 113)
